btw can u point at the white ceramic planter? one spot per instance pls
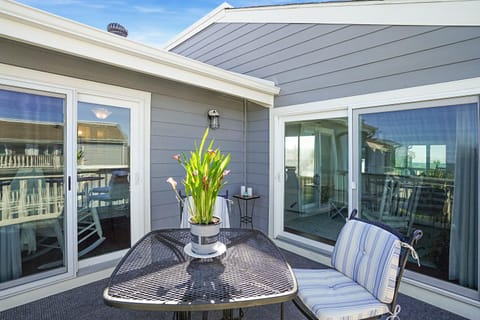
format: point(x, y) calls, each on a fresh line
point(205, 237)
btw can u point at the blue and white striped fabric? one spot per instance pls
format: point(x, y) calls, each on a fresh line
point(331, 295)
point(368, 255)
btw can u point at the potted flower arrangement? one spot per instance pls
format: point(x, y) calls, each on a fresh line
point(205, 170)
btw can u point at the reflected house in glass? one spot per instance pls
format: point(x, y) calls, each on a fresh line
point(39, 144)
point(30, 144)
point(103, 144)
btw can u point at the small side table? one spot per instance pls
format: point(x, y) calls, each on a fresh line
point(246, 217)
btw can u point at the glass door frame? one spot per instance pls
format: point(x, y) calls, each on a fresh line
point(279, 118)
point(139, 103)
point(417, 288)
point(54, 275)
point(73, 89)
point(136, 221)
point(354, 164)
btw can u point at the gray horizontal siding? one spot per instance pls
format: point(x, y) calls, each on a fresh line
point(176, 124)
point(313, 62)
point(286, 52)
point(366, 50)
point(257, 162)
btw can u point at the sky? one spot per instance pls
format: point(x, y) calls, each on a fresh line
point(153, 22)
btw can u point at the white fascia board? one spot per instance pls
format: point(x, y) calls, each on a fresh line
point(198, 26)
point(29, 25)
point(388, 12)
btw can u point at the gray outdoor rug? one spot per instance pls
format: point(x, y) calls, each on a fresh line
point(86, 303)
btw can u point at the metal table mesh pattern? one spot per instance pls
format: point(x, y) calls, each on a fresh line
point(156, 274)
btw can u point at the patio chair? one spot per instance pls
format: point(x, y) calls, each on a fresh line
point(338, 202)
point(30, 215)
point(36, 207)
point(368, 262)
point(397, 203)
point(292, 190)
point(118, 189)
point(222, 209)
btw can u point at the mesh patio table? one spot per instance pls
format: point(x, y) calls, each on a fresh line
point(156, 274)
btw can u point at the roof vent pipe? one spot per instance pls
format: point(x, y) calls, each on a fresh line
point(117, 29)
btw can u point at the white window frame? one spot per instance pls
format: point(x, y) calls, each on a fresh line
point(424, 291)
point(276, 222)
point(355, 165)
point(53, 276)
point(89, 91)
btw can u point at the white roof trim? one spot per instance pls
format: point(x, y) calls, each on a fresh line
point(201, 24)
point(25, 24)
point(389, 12)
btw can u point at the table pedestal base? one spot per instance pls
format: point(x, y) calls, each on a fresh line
point(227, 315)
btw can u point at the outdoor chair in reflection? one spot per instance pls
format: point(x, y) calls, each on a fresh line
point(368, 262)
point(118, 189)
point(32, 221)
point(397, 204)
point(338, 202)
point(293, 197)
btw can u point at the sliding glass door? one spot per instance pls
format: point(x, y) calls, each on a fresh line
point(32, 190)
point(316, 175)
point(412, 166)
point(72, 171)
point(103, 178)
point(417, 167)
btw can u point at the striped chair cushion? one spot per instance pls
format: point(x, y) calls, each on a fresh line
point(330, 295)
point(368, 255)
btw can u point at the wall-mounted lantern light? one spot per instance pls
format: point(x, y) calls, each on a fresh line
point(214, 119)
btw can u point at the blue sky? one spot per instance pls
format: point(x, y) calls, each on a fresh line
point(153, 22)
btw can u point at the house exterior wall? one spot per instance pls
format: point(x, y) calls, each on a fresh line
point(314, 62)
point(257, 159)
point(176, 124)
point(178, 117)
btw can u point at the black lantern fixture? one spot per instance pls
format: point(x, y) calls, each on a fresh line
point(214, 119)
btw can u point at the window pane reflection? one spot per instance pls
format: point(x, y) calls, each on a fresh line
point(316, 173)
point(32, 238)
point(419, 169)
point(103, 168)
